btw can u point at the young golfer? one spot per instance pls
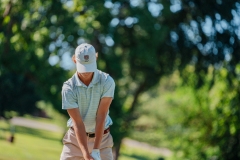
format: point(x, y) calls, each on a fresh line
point(87, 96)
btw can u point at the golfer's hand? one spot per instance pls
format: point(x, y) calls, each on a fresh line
point(96, 154)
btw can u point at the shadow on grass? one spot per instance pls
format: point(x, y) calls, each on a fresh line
point(38, 133)
point(140, 157)
point(3, 133)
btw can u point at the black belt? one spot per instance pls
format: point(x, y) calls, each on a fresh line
point(92, 135)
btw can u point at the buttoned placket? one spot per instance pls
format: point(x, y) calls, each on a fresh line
point(88, 95)
point(86, 90)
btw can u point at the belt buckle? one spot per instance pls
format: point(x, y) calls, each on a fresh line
point(90, 135)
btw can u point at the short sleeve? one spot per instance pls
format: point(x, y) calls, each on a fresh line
point(69, 100)
point(108, 88)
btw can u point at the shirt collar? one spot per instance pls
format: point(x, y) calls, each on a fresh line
point(95, 79)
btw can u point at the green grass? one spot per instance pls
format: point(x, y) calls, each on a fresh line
point(30, 144)
point(34, 144)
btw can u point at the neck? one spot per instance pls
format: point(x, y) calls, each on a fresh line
point(86, 78)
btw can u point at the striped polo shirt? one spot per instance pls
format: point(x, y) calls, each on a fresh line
point(75, 94)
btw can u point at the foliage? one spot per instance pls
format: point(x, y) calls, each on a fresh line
point(139, 45)
point(27, 34)
point(194, 123)
point(13, 87)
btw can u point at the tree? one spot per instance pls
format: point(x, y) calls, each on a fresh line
point(206, 36)
point(145, 44)
point(210, 35)
point(138, 42)
point(31, 34)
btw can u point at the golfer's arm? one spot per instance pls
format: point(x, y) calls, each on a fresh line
point(79, 130)
point(100, 120)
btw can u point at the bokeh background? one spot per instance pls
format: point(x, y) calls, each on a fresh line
point(176, 65)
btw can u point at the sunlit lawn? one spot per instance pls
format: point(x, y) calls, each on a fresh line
point(34, 144)
point(30, 144)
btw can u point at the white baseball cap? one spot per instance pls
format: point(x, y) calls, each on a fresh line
point(85, 56)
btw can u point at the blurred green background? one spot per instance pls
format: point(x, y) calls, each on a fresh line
point(176, 65)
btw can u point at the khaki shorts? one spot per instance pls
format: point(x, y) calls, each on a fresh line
point(71, 150)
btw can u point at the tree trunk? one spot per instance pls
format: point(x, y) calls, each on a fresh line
point(116, 150)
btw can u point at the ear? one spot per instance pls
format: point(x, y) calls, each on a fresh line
point(73, 58)
point(96, 55)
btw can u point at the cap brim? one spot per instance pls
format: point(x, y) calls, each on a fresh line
point(82, 68)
